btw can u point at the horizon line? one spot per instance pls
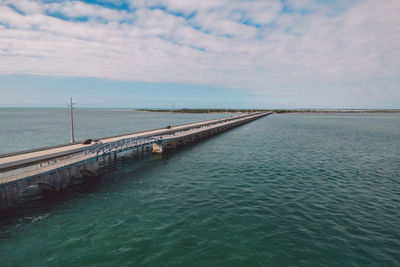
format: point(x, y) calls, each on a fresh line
point(203, 108)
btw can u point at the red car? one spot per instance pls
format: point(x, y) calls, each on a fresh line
point(86, 142)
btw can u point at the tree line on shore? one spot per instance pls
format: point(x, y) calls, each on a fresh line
point(277, 111)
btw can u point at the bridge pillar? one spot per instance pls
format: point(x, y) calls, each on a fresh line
point(158, 147)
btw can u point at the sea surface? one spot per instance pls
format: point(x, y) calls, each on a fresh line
point(284, 190)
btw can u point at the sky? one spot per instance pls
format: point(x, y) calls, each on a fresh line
point(200, 53)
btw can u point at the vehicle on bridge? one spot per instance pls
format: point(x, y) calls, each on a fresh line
point(86, 142)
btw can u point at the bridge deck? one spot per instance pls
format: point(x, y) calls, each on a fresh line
point(41, 155)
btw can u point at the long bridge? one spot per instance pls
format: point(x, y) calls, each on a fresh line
point(54, 167)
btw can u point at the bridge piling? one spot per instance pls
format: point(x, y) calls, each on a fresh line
point(158, 148)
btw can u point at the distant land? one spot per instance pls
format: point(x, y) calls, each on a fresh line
point(277, 111)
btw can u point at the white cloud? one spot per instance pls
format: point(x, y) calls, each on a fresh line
point(316, 52)
point(26, 6)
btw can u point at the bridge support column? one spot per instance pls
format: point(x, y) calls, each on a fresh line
point(58, 179)
point(158, 147)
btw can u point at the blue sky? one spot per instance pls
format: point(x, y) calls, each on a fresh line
point(199, 53)
point(36, 91)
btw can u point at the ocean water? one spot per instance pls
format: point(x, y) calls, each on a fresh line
point(284, 190)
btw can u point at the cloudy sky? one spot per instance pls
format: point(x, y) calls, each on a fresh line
point(237, 53)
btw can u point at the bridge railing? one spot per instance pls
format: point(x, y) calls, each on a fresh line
point(17, 174)
point(116, 146)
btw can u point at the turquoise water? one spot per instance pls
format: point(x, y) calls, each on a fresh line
point(304, 189)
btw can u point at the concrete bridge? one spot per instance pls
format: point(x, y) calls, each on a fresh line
point(52, 168)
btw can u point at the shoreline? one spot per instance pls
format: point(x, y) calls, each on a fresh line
point(275, 111)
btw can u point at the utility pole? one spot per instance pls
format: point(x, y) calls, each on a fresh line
point(172, 116)
point(72, 120)
point(208, 112)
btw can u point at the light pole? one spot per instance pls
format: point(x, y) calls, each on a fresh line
point(172, 116)
point(72, 120)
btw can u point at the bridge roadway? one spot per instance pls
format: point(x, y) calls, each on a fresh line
point(22, 159)
point(54, 168)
